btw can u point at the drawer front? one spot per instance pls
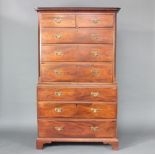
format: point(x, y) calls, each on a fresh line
point(97, 35)
point(76, 110)
point(57, 20)
point(50, 109)
point(58, 35)
point(97, 110)
point(74, 52)
point(67, 93)
point(76, 72)
point(73, 35)
point(95, 20)
point(76, 129)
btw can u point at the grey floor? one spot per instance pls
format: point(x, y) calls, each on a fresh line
point(22, 140)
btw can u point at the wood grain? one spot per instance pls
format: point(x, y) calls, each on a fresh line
point(57, 20)
point(77, 53)
point(76, 72)
point(63, 93)
point(77, 35)
point(48, 109)
point(77, 129)
point(95, 20)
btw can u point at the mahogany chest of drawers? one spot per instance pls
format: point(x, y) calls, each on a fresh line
point(77, 88)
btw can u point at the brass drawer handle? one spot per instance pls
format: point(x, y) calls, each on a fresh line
point(57, 72)
point(94, 128)
point(58, 53)
point(94, 94)
point(58, 93)
point(58, 36)
point(58, 128)
point(94, 72)
point(94, 36)
point(94, 110)
point(95, 21)
point(58, 19)
point(58, 109)
point(94, 53)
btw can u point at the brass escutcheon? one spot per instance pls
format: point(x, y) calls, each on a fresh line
point(58, 93)
point(94, 53)
point(58, 36)
point(58, 128)
point(58, 53)
point(95, 72)
point(57, 72)
point(94, 110)
point(58, 19)
point(95, 94)
point(94, 128)
point(95, 36)
point(58, 109)
point(95, 21)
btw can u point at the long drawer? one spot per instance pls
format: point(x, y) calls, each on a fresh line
point(77, 35)
point(77, 52)
point(104, 93)
point(49, 109)
point(77, 128)
point(76, 72)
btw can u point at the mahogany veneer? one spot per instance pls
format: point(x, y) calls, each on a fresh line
point(76, 72)
point(48, 109)
point(74, 53)
point(76, 128)
point(73, 35)
point(77, 88)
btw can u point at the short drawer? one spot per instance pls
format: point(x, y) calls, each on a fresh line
point(57, 20)
point(76, 128)
point(79, 53)
point(95, 20)
point(58, 35)
point(106, 110)
point(76, 72)
point(105, 93)
point(49, 109)
point(77, 35)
